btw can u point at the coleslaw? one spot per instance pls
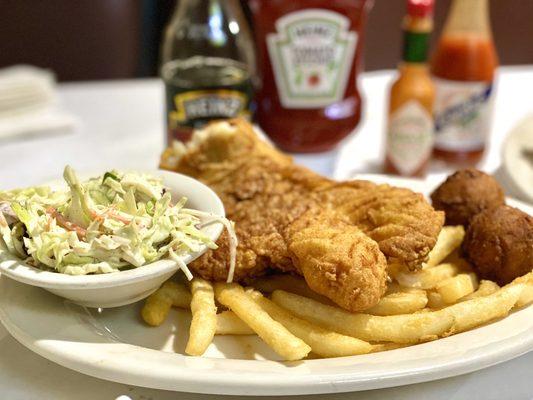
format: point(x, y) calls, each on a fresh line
point(110, 223)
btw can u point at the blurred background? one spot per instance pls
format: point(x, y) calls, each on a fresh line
point(119, 39)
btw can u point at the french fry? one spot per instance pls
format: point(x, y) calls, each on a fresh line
point(229, 324)
point(462, 264)
point(272, 332)
point(410, 328)
point(395, 287)
point(323, 342)
point(485, 288)
point(527, 278)
point(399, 303)
point(204, 317)
point(472, 313)
point(450, 238)
point(435, 300)
point(427, 278)
point(289, 283)
point(526, 296)
point(377, 347)
point(158, 304)
point(452, 289)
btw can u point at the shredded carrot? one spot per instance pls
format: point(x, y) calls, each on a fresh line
point(65, 223)
point(109, 213)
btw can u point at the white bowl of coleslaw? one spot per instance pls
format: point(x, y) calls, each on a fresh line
point(110, 240)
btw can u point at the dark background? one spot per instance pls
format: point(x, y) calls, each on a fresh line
point(119, 39)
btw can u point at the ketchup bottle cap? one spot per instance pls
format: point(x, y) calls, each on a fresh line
point(420, 8)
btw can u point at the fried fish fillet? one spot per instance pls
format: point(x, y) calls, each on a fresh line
point(268, 197)
point(401, 221)
point(337, 259)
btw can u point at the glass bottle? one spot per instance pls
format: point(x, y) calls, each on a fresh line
point(464, 66)
point(208, 64)
point(409, 140)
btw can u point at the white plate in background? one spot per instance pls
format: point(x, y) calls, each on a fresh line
point(516, 164)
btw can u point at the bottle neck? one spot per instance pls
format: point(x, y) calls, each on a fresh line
point(212, 12)
point(416, 31)
point(184, 7)
point(468, 16)
point(194, 3)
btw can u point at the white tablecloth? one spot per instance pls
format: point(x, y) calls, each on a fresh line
point(122, 127)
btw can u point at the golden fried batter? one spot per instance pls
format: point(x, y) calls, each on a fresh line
point(402, 222)
point(338, 260)
point(265, 193)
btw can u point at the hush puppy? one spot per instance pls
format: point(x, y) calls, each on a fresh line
point(499, 244)
point(466, 193)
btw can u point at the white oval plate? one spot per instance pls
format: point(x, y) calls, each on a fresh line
point(114, 345)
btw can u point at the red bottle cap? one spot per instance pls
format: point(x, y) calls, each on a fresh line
point(420, 8)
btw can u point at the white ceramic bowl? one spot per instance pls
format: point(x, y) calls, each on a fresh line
point(125, 287)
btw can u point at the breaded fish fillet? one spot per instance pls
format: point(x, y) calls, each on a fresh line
point(337, 259)
point(268, 196)
point(401, 221)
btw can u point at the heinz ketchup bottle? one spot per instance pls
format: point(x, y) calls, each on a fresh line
point(463, 66)
point(309, 54)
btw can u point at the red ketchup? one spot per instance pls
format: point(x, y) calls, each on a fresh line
point(309, 56)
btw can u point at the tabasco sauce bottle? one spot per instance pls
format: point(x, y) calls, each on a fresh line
point(463, 67)
point(410, 129)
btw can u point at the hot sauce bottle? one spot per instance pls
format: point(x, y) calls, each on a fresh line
point(463, 67)
point(409, 138)
point(309, 54)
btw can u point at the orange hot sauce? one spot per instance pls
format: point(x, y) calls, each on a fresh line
point(409, 138)
point(464, 66)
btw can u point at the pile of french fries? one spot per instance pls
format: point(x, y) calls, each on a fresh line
point(443, 298)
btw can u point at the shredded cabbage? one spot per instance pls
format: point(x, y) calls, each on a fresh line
point(106, 224)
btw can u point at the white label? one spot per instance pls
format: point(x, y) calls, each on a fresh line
point(311, 54)
point(462, 114)
point(409, 137)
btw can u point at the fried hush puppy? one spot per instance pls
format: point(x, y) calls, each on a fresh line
point(499, 244)
point(466, 193)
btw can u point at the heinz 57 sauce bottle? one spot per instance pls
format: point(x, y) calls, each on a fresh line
point(463, 66)
point(207, 65)
point(309, 54)
point(409, 140)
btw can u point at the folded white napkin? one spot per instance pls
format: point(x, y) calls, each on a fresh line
point(29, 104)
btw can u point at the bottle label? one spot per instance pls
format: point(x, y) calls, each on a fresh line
point(409, 137)
point(415, 46)
point(462, 114)
point(204, 105)
point(311, 53)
